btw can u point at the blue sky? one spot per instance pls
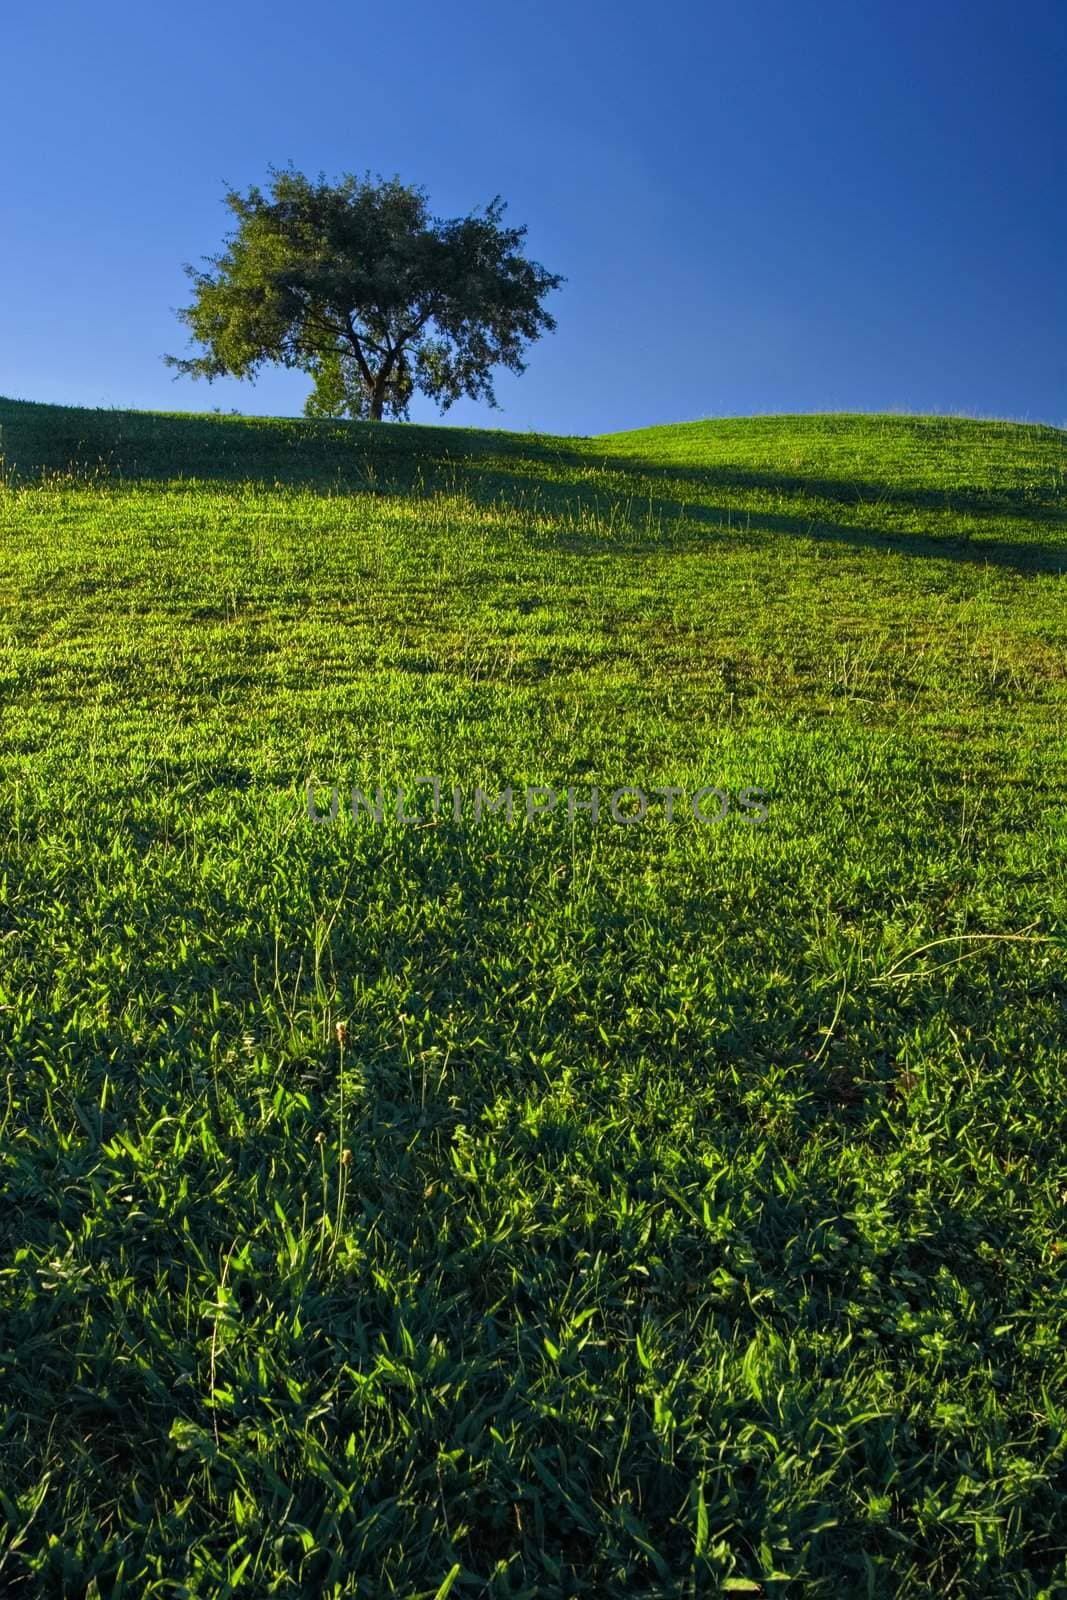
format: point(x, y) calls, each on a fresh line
point(765, 206)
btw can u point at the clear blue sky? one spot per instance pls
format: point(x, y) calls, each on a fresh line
point(762, 206)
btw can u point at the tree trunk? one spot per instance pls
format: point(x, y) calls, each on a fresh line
point(379, 386)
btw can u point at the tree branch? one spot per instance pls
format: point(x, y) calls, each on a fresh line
point(409, 333)
point(361, 360)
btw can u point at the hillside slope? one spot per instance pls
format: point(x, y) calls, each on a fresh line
point(572, 1205)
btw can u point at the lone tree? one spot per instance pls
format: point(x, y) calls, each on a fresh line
point(356, 285)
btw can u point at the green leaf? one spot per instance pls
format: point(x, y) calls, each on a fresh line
point(700, 1543)
point(446, 1587)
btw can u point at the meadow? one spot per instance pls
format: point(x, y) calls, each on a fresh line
point(555, 1207)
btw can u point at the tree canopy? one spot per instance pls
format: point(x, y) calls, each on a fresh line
point(354, 283)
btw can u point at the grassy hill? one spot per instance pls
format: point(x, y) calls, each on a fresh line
point(545, 1206)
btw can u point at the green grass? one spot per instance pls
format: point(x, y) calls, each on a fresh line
point(677, 1209)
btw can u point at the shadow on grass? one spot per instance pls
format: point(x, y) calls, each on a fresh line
point(740, 529)
point(334, 457)
point(849, 490)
